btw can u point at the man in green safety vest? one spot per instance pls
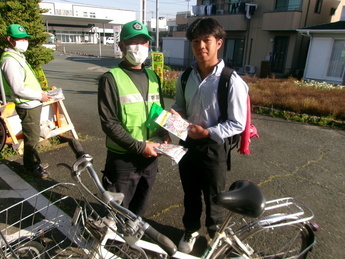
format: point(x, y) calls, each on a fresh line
point(22, 87)
point(125, 96)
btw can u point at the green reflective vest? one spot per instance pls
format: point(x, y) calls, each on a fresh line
point(134, 109)
point(30, 81)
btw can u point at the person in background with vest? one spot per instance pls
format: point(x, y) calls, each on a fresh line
point(22, 87)
point(125, 96)
point(203, 168)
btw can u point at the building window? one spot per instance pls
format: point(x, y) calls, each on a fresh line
point(279, 54)
point(64, 12)
point(288, 5)
point(337, 61)
point(234, 51)
point(318, 6)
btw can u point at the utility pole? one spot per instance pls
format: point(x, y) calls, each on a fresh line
point(142, 17)
point(157, 25)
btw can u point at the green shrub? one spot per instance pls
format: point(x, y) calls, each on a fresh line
point(169, 82)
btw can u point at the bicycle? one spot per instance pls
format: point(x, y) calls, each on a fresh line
point(3, 134)
point(101, 228)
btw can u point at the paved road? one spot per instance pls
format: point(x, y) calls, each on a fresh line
point(95, 50)
point(289, 159)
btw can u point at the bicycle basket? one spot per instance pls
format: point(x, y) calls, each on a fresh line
point(44, 225)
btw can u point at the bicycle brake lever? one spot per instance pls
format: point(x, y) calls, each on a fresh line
point(81, 164)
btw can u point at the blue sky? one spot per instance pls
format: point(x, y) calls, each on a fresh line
point(167, 8)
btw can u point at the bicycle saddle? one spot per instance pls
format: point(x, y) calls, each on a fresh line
point(244, 198)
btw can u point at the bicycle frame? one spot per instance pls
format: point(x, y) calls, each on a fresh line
point(272, 221)
point(99, 237)
point(291, 211)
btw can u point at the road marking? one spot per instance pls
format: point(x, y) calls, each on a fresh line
point(83, 59)
point(98, 69)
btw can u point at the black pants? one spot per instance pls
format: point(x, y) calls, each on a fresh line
point(31, 131)
point(203, 174)
point(132, 175)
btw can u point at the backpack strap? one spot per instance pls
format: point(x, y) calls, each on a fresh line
point(223, 92)
point(184, 78)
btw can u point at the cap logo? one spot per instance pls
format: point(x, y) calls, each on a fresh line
point(21, 29)
point(137, 26)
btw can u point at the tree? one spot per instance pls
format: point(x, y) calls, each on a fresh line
point(28, 14)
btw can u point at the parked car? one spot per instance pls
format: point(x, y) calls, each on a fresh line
point(109, 40)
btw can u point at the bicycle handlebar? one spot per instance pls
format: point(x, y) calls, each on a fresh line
point(76, 147)
point(163, 241)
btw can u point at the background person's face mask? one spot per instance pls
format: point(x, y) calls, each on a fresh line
point(136, 54)
point(21, 45)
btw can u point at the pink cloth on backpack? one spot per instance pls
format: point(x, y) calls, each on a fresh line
point(249, 132)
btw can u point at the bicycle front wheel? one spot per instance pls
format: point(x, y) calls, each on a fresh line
point(30, 250)
point(288, 241)
point(3, 134)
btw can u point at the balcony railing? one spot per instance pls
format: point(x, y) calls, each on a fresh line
point(231, 7)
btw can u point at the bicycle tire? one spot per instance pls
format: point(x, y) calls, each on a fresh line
point(3, 134)
point(283, 242)
point(32, 249)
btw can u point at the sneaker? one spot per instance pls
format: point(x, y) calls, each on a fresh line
point(187, 242)
point(44, 165)
point(39, 172)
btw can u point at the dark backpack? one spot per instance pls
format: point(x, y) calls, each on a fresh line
point(223, 92)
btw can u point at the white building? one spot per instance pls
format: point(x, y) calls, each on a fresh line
point(177, 51)
point(74, 23)
point(162, 24)
point(326, 54)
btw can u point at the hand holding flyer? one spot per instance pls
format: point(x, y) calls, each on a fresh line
point(175, 152)
point(56, 94)
point(175, 124)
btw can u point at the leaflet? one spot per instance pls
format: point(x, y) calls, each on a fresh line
point(175, 124)
point(154, 113)
point(56, 94)
point(175, 152)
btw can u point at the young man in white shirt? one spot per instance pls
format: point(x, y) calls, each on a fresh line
point(203, 168)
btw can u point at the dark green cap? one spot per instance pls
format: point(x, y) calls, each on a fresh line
point(17, 31)
point(133, 29)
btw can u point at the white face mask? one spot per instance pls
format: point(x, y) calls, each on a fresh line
point(136, 54)
point(21, 45)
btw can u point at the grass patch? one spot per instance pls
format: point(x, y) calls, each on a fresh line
point(298, 97)
point(7, 152)
point(317, 103)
